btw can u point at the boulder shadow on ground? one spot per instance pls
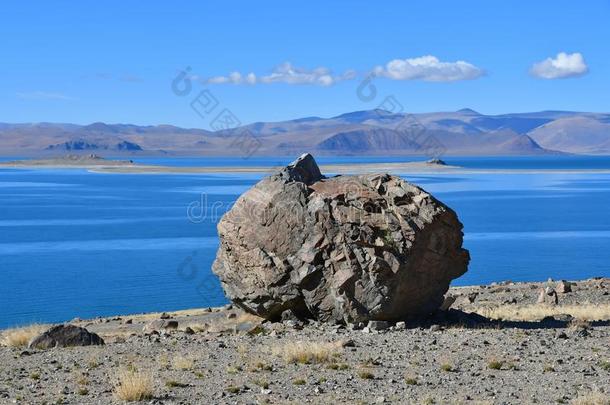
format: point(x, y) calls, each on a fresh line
point(455, 318)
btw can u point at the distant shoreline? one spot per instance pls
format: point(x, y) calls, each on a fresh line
point(126, 167)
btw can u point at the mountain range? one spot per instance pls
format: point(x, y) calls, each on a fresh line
point(370, 132)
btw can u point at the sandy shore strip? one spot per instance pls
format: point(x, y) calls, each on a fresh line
point(347, 168)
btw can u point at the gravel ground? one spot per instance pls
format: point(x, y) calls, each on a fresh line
point(452, 358)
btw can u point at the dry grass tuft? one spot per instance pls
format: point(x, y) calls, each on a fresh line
point(411, 380)
point(134, 385)
point(366, 375)
point(495, 364)
point(183, 363)
point(21, 337)
point(534, 312)
point(175, 384)
point(592, 398)
point(307, 352)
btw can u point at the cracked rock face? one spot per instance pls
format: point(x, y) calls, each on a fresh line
point(340, 249)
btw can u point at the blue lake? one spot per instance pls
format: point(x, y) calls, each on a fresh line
point(79, 244)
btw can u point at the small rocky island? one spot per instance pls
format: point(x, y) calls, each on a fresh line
point(88, 160)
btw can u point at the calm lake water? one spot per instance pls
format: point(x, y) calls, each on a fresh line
point(78, 244)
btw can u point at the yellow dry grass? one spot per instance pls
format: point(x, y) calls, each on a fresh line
point(134, 385)
point(20, 337)
point(591, 398)
point(307, 352)
point(585, 312)
point(183, 363)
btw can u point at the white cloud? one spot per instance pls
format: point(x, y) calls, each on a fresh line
point(564, 65)
point(285, 73)
point(43, 95)
point(428, 68)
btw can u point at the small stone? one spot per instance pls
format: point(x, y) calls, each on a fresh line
point(231, 315)
point(561, 335)
point(563, 317)
point(402, 325)
point(435, 328)
point(447, 303)
point(563, 287)
point(347, 343)
point(189, 331)
point(548, 295)
point(378, 325)
point(541, 296)
point(165, 315)
point(379, 400)
point(356, 326)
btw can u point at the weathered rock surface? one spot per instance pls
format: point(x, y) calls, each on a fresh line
point(344, 249)
point(65, 336)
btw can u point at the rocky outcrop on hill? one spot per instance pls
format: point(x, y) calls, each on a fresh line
point(340, 249)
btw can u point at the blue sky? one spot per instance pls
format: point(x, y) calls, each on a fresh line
point(114, 61)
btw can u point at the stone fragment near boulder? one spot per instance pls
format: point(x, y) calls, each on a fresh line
point(378, 325)
point(563, 287)
point(447, 303)
point(65, 336)
point(547, 296)
point(341, 249)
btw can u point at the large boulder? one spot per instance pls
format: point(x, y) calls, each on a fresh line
point(339, 249)
point(65, 336)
